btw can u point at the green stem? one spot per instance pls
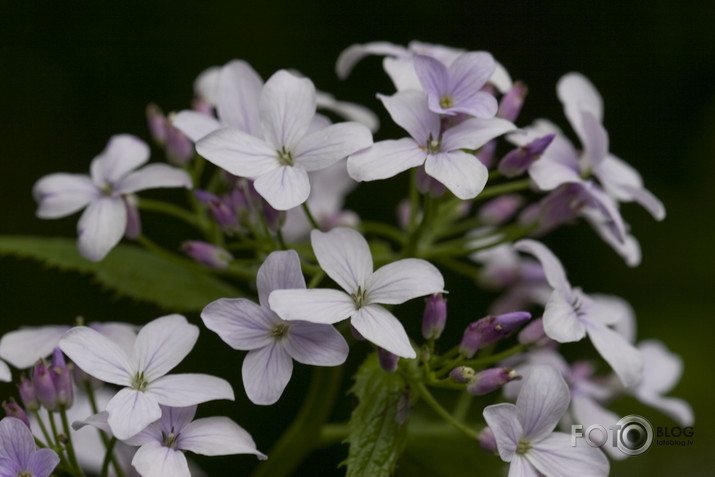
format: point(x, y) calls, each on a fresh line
point(50, 443)
point(312, 220)
point(170, 209)
point(479, 362)
point(69, 446)
point(385, 230)
point(499, 189)
point(103, 435)
point(108, 457)
point(461, 409)
point(437, 407)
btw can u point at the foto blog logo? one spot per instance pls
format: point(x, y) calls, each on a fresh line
point(632, 435)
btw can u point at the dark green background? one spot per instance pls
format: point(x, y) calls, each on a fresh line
point(71, 76)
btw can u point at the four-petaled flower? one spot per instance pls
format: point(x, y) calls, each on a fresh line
point(19, 456)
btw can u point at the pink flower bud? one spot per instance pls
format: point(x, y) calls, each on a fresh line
point(207, 254)
point(27, 394)
point(518, 160)
point(462, 374)
point(489, 330)
point(427, 184)
point(156, 122)
point(511, 103)
point(44, 386)
point(490, 380)
point(13, 409)
point(434, 317)
point(487, 441)
point(62, 379)
point(388, 361)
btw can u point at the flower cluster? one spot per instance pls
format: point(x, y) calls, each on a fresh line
point(267, 177)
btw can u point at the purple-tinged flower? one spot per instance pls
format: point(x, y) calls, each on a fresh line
point(62, 379)
point(18, 454)
point(570, 314)
point(440, 151)
point(112, 176)
point(44, 386)
point(511, 103)
point(345, 257)
point(489, 380)
point(160, 346)
point(518, 160)
point(179, 148)
point(273, 343)
point(13, 409)
point(457, 89)
point(207, 254)
point(533, 333)
point(434, 317)
point(489, 330)
point(524, 436)
point(281, 155)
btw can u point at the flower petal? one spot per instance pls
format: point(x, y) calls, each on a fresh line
point(542, 402)
point(434, 77)
point(162, 344)
point(238, 90)
point(460, 172)
point(130, 411)
point(327, 146)
point(577, 94)
point(676, 408)
point(123, 153)
point(280, 271)
point(623, 357)
point(409, 110)
point(287, 105)
point(101, 227)
point(5, 373)
point(60, 194)
point(555, 274)
point(561, 322)
point(315, 344)
point(474, 133)
point(155, 460)
point(403, 280)
point(502, 419)
point(285, 187)
point(344, 255)
point(266, 372)
point(350, 56)
point(663, 369)
point(97, 356)
point(217, 436)
point(43, 462)
point(520, 467)
point(22, 348)
point(240, 323)
point(316, 305)
point(238, 152)
point(195, 125)
point(385, 159)
point(380, 327)
point(554, 456)
point(16, 442)
point(153, 176)
point(181, 390)
point(594, 139)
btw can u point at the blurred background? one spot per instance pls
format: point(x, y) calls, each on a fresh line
point(72, 76)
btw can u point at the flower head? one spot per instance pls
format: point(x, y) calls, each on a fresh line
point(19, 457)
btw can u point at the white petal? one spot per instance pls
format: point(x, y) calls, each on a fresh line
point(195, 125)
point(279, 271)
point(344, 255)
point(287, 105)
point(503, 421)
point(555, 274)
point(350, 111)
point(380, 327)
point(554, 456)
point(101, 227)
point(123, 153)
point(587, 412)
point(97, 356)
point(181, 390)
point(385, 159)
point(474, 133)
point(238, 90)
point(663, 369)
point(206, 84)
point(23, 347)
point(410, 111)
point(155, 460)
point(285, 187)
point(327, 146)
point(501, 78)
point(266, 372)
point(623, 357)
point(315, 344)
point(130, 411)
point(350, 56)
point(59, 195)
point(609, 309)
point(99, 421)
point(460, 172)
point(162, 344)
point(577, 94)
point(217, 436)
point(561, 322)
point(238, 152)
point(316, 305)
point(240, 323)
point(543, 400)
point(403, 280)
point(520, 467)
point(678, 409)
point(646, 199)
point(123, 334)
point(594, 139)
point(402, 73)
point(153, 176)
point(5, 373)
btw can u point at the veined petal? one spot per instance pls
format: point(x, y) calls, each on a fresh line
point(327, 146)
point(470, 71)
point(238, 152)
point(155, 460)
point(380, 327)
point(162, 344)
point(502, 419)
point(287, 105)
point(123, 153)
point(460, 172)
point(285, 187)
point(561, 322)
point(130, 411)
point(266, 372)
point(554, 456)
point(350, 56)
point(623, 357)
point(43, 462)
point(315, 344)
point(410, 111)
point(434, 77)
point(520, 467)
point(97, 356)
point(403, 280)
point(385, 159)
point(280, 271)
point(474, 133)
point(344, 255)
point(542, 402)
point(181, 390)
point(123, 334)
point(663, 369)
point(22, 348)
point(217, 436)
point(153, 176)
point(238, 90)
point(240, 323)
point(16, 441)
point(477, 103)
point(101, 227)
point(60, 194)
point(554, 271)
point(316, 305)
point(195, 125)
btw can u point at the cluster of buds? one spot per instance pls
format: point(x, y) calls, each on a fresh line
point(49, 387)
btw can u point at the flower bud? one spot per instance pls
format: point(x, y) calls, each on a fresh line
point(179, 148)
point(487, 441)
point(434, 317)
point(44, 386)
point(486, 153)
point(13, 409)
point(356, 334)
point(533, 333)
point(497, 211)
point(62, 379)
point(511, 103)
point(207, 254)
point(490, 380)
point(221, 208)
point(489, 330)
point(133, 228)
point(388, 361)
point(27, 394)
point(462, 374)
point(518, 160)
point(156, 122)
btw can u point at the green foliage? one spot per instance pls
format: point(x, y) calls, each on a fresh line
point(378, 431)
point(127, 270)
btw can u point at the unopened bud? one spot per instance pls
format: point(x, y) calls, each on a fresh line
point(356, 334)
point(490, 380)
point(27, 394)
point(499, 210)
point(533, 333)
point(207, 254)
point(62, 379)
point(44, 386)
point(157, 123)
point(489, 330)
point(518, 160)
point(13, 409)
point(487, 441)
point(179, 148)
point(511, 103)
point(388, 361)
point(462, 374)
point(434, 316)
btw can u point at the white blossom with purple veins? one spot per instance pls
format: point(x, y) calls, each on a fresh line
point(570, 314)
point(280, 157)
point(19, 456)
point(160, 345)
point(345, 257)
point(273, 343)
point(524, 432)
point(112, 177)
point(440, 151)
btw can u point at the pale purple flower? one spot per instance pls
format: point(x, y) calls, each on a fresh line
point(273, 343)
point(279, 159)
point(345, 257)
point(570, 314)
point(18, 454)
point(160, 346)
point(524, 432)
point(112, 177)
point(440, 151)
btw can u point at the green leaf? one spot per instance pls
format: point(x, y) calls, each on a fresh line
point(378, 431)
point(127, 270)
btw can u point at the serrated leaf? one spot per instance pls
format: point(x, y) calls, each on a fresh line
point(378, 431)
point(127, 270)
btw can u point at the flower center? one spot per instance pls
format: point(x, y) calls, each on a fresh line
point(107, 189)
point(139, 382)
point(446, 102)
point(285, 157)
point(280, 330)
point(170, 440)
point(523, 446)
point(359, 297)
point(25, 473)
